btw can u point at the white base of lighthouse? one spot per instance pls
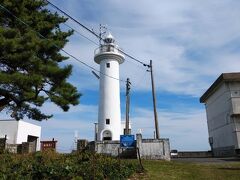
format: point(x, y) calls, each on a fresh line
point(109, 115)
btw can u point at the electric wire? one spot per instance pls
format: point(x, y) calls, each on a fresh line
point(141, 80)
point(80, 34)
point(76, 21)
point(97, 44)
point(91, 31)
point(85, 64)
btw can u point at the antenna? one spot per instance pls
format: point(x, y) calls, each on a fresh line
point(102, 31)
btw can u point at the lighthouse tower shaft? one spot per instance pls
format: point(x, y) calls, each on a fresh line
point(109, 114)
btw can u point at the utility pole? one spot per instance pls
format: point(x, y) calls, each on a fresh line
point(127, 106)
point(154, 102)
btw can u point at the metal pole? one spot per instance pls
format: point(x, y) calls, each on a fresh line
point(154, 103)
point(127, 106)
point(96, 131)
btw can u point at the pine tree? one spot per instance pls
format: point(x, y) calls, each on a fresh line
point(31, 72)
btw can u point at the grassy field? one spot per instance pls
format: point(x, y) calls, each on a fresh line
point(184, 170)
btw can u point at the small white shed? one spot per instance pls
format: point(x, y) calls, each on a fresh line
point(20, 131)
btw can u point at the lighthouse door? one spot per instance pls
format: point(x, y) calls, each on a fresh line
point(107, 135)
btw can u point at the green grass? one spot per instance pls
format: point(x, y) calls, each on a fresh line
point(184, 170)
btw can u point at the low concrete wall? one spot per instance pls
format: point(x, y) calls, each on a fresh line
point(148, 148)
point(228, 151)
point(194, 154)
point(107, 147)
point(153, 148)
point(14, 148)
point(111, 148)
point(28, 147)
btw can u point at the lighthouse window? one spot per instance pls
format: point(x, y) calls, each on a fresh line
point(108, 65)
point(107, 121)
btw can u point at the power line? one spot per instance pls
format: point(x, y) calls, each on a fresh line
point(83, 26)
point(91, 31)
point(141, 80)
point(80, 34)
point(120, 50)
point(85, 64)
point(70, 27)
point(132, 57)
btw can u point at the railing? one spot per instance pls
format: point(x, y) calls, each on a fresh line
point(106, 48)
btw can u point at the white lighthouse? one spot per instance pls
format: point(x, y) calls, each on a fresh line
point(109, 115)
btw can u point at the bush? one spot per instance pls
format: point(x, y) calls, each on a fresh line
point(51, 165)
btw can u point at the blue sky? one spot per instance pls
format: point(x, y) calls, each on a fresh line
point(190, 42)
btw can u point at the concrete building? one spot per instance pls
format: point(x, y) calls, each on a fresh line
point(18, 132)
point(222, 102)
point(109, 116)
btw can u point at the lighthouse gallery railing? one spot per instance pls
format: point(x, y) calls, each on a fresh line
point(106, 49)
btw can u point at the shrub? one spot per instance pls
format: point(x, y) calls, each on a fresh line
point(51, 165)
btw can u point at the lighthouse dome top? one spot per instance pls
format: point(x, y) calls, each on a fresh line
point(108, 50)
point(109, 39)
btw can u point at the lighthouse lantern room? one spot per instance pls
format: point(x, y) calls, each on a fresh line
point(109, 116)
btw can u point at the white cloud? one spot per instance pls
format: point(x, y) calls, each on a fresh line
point(51, 108)
point(186, 128)
point(186, 131)
point(63, 125)
point(185, 39)
point(190, 43)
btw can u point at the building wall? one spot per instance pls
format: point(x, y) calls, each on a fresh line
point(220, 108)
point(17, 131)
point(237, 130)
point(25, 129)
point(9, 128)
point(235, 97)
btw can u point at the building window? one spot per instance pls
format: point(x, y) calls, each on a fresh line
point(107, 121)
point(108, 65)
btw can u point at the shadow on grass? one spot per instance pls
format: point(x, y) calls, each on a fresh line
point(230, 168)
point(232, 159)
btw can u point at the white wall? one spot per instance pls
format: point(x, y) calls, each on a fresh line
point(9, 128)
point(25, 129)
point(18, 131)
